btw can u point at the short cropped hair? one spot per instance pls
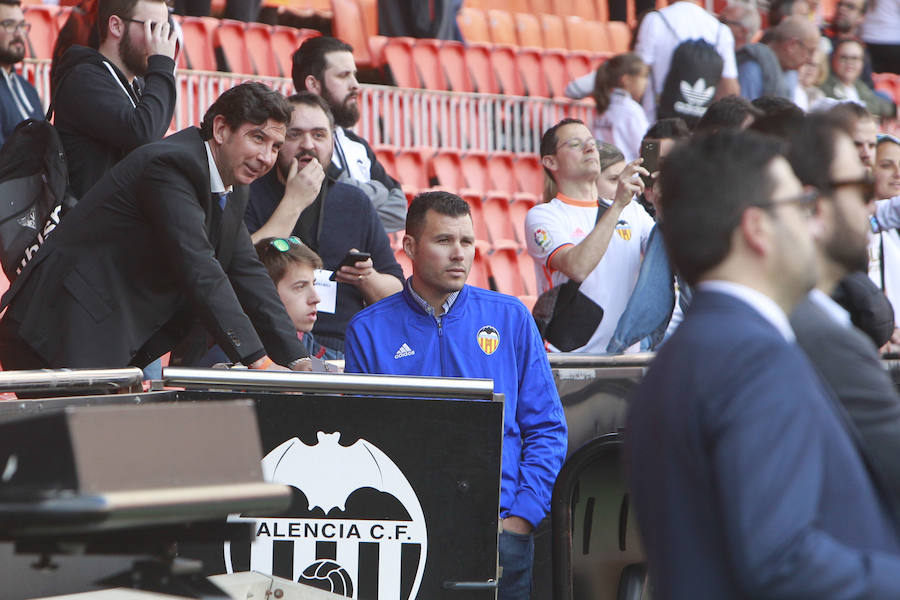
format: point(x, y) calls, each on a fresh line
point(314, 100)
point(443, 203)
point(781, 117)
point(812, 148)
point(851, 113)
point(277, 262)
point(707, 183)
point(107, 8)
point(549, 141)
point(309, 58)
point(673, 128)
point(11, 2)
point(609, 155)
point(247, 103)
point(729, 112)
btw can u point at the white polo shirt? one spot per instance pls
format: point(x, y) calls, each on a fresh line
point(655, 44)
point(565, 222)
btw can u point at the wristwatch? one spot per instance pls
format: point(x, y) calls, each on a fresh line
point(295, 363)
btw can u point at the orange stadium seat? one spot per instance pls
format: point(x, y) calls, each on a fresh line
point(577, 34)
point(447, 169)
point(527, 273)
point(198, 42)
point(529, 174)
point(479, 273)
point(577, 64)
point(285, 41)
point(553, 63)
point(369, 10)
point(545, 7)
point(398, 53)
point(504, 269)
point(601, 9)
point(478, 60)
point(482, 4)
point(503, 61)
point(427, 61)
point(473, 24)
point(528, 301)
point(452, 57)
point(518, 210)
point(501, 27)
point(259, 43)
point(619, 36)
point(518, 6)
point(475, 171)
point(529, 63)
point(43, 32)
point(578, 8)
point(482, 237)
point(385, 155)
point(498, 222)
point(348, 25)
point(411, 172)
point(598, 37)
point(528, 30)
point(502, 172)
point(889, 83)
point(553, 31)
point(231, 47)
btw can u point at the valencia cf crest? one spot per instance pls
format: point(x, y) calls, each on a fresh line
point(624, 230)
point(488, 339)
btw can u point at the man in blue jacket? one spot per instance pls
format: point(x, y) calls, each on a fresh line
point(439, 326)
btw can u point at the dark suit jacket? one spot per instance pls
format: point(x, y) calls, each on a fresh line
point(848, 362)
point(145, 253)
point(745, 481)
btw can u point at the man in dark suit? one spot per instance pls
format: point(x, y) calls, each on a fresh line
point(823, 155)
point(744, 477)
point(156, 245)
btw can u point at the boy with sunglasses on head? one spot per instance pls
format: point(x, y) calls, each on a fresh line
point(291, 265)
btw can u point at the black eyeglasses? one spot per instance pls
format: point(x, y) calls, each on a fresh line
point(12, 26)
point(153, 24)
point(284, 244)
point(866, 185)
point(805, 200)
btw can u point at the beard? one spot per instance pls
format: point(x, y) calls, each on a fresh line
point(346, 112)
point(285, 169)
point(849, 251)
point(133, 59)
point(13, 54)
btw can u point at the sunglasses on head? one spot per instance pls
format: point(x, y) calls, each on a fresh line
point(284, 244)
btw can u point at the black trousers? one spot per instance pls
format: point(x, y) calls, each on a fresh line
point(15, 353)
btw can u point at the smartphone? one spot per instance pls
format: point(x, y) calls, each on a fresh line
point(650, 154)
point(350, 260)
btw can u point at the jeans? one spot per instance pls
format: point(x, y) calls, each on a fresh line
point(516, 558)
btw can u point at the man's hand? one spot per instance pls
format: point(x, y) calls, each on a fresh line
point(630, 183)
point(302, 185)
point(358, 274)
point(517, 525)
point(161, 40)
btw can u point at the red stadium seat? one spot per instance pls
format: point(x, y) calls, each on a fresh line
point(475, 171)
point(553, 64)
point(473, 24)
point(545, 7)
point(411, 171)
point(530, 174)
point(527, 273)
point(232, 47)
point(478, 60)
point(528, 301)
point(369, 10)
point(619, 36)
point(554, 32)
point(499, 224)
point(427, 61)
point(44, 28)
point(577, 64)
point(501, 27)
point(385, 155)
point(259, 43)
point(504, 268)
point(598, 37)
point(518, 210)
point(398, 53)
point(503, 60)
point(502, 172)
point(198, 42)
point(529, 63)
point(577, 34)
point(448, 170)
point(578, 8)
point(452, 57)
point(528, 30)
point(478, 275)
point(348, 25)
point(601, 9)
point(285, 41)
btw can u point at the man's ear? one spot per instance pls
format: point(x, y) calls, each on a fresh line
point(313, 85)
point(409, 246)
point(116, 26)
point(220, 129)
point(549, 161)
point(756, 229)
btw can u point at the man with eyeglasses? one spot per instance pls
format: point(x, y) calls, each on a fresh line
point(745, 478)
point(111, 100)
point(578, 236)
point(770, 69)
point(18, 98)
point(843, 355)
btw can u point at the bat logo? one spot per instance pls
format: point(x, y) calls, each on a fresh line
point(488, 339)
point(333, 538)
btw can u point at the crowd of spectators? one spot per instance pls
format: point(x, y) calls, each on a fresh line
point(158, 256)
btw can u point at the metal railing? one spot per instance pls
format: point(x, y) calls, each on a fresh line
point(68, 381)
point(330, 383)
point(401, 117)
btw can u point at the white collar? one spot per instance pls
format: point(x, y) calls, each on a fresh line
point(834, 310)
point(216, 185)
point(764, 305)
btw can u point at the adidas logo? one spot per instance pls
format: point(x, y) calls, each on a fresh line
point(404, 350)
point(698, 97)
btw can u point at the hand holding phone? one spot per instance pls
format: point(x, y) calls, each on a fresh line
point(350, 259)
point(650, 154)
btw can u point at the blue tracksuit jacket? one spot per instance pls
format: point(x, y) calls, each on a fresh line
point(483, 335)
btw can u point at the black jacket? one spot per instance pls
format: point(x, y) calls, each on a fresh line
point(142, 257)
point(101, 117)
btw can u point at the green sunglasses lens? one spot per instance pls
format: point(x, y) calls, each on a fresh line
point(281, 245)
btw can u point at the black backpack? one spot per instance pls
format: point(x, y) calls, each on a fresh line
point(33, 188)
point(693, 77)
